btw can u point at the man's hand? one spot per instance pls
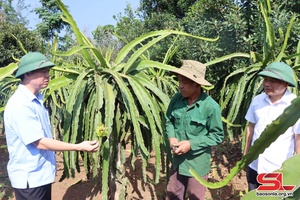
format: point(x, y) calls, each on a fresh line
point(89, 146)
point(173, 141)
point(182, 147)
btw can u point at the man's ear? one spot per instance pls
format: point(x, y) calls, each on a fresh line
point(197, 85)
point(287, 84)
point(26, 75)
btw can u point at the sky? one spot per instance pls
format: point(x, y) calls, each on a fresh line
point(88, 14)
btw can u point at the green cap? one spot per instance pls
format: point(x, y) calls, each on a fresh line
point(32, 61)
point(281, 71)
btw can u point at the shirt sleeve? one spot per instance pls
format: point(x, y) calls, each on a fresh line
point(296, 127)
point(249, 115)
point(214, 136)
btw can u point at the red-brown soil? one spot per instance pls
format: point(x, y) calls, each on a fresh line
point(80, 188)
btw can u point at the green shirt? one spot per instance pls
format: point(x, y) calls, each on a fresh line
point(201, 124)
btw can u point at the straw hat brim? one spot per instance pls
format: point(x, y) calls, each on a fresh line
point(197, 79)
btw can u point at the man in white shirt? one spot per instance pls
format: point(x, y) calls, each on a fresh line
point(264, 109)
point(32, 163)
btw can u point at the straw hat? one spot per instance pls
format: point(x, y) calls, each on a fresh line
point(194, 71)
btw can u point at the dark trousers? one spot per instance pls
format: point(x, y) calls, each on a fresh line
point(251, 178)
point(38, 193)
point(180, 186)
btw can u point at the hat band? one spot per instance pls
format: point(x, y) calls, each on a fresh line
point(41, 64)
point(275, 73)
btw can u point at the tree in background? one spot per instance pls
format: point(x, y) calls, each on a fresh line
point(103, 35)
point(52, 22)
point(12, 28)
point(130, 26)
point(13, 13)
point(105, 40)
point(196, 17)
point(9, 46)
point(173, 7)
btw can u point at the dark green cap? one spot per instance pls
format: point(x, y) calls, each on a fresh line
point(33, 61)
point(281, 71)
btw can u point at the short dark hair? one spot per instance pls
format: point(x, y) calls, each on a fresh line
point(21, 77)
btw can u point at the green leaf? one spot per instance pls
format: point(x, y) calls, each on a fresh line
point(286, 38)
point(58, 83)
point(132, 110)
point(105, 169)
point(110, 98)
point(163, 33)
point(146, 64)
point(71, 101)
point(79, 36)
point(8, 70)
point(148, 104)
point(227, 57)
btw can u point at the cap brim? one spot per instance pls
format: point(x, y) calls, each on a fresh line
point(34, 66)
point(273, 75)
point(269, 74)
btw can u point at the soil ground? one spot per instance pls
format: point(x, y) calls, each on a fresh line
point(224, 157)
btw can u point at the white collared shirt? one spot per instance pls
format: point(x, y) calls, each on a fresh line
point(261, 113)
